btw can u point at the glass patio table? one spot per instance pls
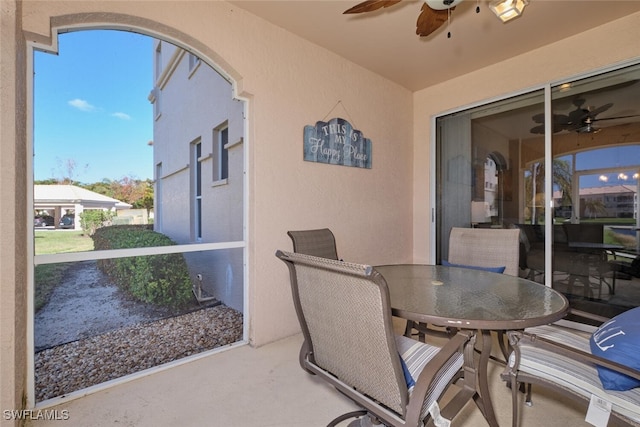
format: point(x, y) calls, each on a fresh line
point(471, 299)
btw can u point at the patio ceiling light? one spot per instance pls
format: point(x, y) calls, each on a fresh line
point(508, 9)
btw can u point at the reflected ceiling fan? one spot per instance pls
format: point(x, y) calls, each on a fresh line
point(433, 14)
point(580, 120)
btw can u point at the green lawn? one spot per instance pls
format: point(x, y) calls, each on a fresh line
point(60, 241)
point(48, 276)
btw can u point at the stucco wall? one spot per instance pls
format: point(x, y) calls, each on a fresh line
point(194, 102)
point(13, 258)
point(289, 83)
point(595, 49)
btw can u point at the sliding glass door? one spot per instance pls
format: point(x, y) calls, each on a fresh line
point(491, 172)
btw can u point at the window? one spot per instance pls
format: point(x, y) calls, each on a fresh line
point(220, 153)
point(157, 208)
point(196, 186)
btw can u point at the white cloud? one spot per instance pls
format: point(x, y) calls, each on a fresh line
point(82, 105)
point(123, 116)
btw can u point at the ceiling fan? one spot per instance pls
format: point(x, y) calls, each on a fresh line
point(580, 120)
point(433, 14)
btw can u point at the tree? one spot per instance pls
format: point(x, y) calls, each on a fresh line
point(127, 190)
point(534, 186)
point(67, 169)
point(103, 187)
point(136, 192)
point(594, 207)
point(146, 201)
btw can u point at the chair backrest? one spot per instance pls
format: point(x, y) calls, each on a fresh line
point(345, 316)
point(320, 243)
point(485, 247)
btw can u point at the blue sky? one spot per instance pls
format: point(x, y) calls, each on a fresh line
point(91, 107)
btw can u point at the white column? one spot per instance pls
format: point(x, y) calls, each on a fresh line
point(76, 222)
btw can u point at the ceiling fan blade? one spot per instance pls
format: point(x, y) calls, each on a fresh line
point(596, 111)
point(430, 20)
point(614, 118)
point(537, 129)
point(371, 5)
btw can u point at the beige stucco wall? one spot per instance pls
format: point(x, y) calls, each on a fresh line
point(289, 83)
point(590, 51)
point(13, 259)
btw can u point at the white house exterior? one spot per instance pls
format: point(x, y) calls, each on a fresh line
point(72, 199)
point(199, 168)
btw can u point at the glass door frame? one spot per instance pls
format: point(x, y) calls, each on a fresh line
point(547, 92)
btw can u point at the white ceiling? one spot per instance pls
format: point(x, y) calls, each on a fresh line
point(385, 42)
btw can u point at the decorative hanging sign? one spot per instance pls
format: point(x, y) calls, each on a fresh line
point(337, 143)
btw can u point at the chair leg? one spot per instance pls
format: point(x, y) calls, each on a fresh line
point(514, 401)
point(527, 400)
point(407, 329)
point(353, 414)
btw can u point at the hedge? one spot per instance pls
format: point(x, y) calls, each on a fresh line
point(156, 279)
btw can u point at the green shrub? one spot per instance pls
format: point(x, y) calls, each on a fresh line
point(156, 279)
point(91, 220)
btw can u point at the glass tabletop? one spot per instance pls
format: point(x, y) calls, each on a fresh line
point(466, 298)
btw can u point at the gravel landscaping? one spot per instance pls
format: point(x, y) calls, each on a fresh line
point(90, 333)
point(90, 361)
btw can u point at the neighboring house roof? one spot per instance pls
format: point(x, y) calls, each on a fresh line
point(612, 189)
point(52, 195)
point(598, 191)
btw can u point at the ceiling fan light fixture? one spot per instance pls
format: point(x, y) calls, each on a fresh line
point(508, 9)
point(442, 4)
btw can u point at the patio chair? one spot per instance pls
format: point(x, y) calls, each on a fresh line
point(561, 359)
point(486, 247)
point(345, 317)
point(478, 247)
point(320, 243)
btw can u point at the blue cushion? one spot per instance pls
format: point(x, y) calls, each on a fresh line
point(618, 340)
point(475, 267)
point(407, 375)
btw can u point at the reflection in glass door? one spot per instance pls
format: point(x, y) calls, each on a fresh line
point(491, 173)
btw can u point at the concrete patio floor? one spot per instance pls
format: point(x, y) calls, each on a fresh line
point(264, 386)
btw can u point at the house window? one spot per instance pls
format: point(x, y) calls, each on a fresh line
point(220, 153)
point(157, 209)
point(196, 185)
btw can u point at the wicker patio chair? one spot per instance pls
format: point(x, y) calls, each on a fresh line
point(345, 317)
point(560, 359)
point(478, 247)
point(320, 243)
